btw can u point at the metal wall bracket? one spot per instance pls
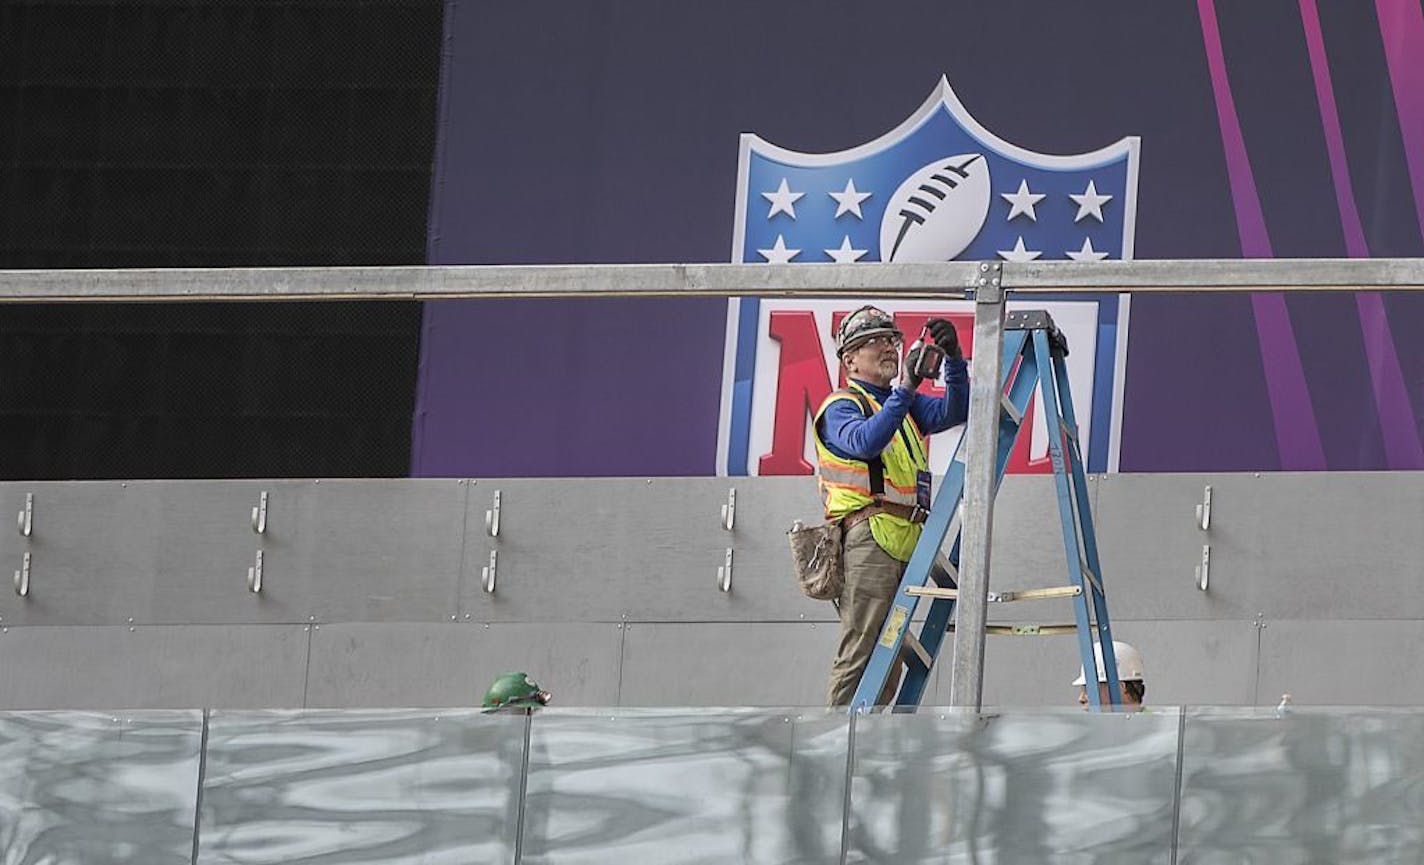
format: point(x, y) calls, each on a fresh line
point(22, 577)
point(724, 573)
point(1204, 510)
point(1204, 524)
point(492, 518)
point(729, 510)
point(27, 516)
point(254, 575)
point(487, 573)
point(259, 515)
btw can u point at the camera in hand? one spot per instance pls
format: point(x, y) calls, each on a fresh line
point(928, 357)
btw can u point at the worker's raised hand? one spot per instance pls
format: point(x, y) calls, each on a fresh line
point(945, 336)
point(912, 379)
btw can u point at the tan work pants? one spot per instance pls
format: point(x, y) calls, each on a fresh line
point(871, 578)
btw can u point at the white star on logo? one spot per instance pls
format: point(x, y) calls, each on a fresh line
point(849, 200)
point(1022, 201)
point(1087, 253)
point(779, 254)
point(783, 200)
point(845, 255)
point(1019, 253)
point(1090, 202)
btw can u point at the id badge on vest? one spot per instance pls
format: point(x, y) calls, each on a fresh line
point(922, 490)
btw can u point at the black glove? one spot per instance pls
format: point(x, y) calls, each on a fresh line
point(912, 360)
point(945, 337)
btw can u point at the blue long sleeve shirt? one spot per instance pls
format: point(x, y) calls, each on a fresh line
point(849, 434)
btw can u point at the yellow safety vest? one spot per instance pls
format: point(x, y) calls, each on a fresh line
point(845, 484)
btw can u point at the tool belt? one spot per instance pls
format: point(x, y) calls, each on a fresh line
point(904, 512)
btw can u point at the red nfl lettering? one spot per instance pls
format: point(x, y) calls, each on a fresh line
point(802, 383)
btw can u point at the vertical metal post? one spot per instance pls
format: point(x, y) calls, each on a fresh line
point(981, 443)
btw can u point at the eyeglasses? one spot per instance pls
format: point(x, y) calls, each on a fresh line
point(885, 340)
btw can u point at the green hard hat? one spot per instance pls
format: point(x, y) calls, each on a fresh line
point(514, 690)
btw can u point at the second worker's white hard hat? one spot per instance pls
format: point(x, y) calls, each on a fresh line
point(1129, 664)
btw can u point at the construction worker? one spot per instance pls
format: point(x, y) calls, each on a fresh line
point(874, 473)
point(1129, 676)
point(514, 691)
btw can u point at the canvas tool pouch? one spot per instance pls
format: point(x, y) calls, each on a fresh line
point(816, 556)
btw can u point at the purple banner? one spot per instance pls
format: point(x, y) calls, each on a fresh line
point(611, 133)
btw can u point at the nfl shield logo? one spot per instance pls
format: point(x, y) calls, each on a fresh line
point(940, 187)
point(937, 188)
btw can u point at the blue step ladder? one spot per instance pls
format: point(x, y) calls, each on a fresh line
point(1034, 352)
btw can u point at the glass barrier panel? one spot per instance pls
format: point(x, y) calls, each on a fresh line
point(686, 786)
point(90, 787)
point(388, 786)
point(1020, 787)
point(1308, 785)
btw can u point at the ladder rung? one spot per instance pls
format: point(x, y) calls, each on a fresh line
point(918, 648)
point(932, 592)
point(1036, 594)
point(1027, 630)
point(1009, 409)
point(1031, 630)
point(999, 597)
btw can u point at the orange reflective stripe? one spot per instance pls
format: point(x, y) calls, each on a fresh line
point(845, 467)
point(845, 484)
point(899, 497)
point(840, 475)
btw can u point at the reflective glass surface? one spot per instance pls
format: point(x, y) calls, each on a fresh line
point(1028, 786)
point(713, 786)
point(1305, 786)
point(686, 786)
point(85, 787)
point(416, 786)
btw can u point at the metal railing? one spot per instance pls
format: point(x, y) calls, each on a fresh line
point(990, 284)
point(729, 280)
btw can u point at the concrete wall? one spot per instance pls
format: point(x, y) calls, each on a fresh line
point(606, 590)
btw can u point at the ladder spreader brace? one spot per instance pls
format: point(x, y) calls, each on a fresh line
point(1033, 357)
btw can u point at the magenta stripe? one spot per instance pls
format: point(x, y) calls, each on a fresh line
point(1297, 436)
point(1401, 24)
point(1402, 448)
point(1250, 224)
point(1400, 432)
point(1355, 244)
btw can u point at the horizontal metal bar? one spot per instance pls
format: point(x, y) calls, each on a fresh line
point(1032, 630)
point(932, 592)
point(1027, 630)
point(998, 597)
point(925, 280)
point(1040, 594)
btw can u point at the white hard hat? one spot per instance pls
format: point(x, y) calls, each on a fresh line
point(861, 325)
point(1129, 664)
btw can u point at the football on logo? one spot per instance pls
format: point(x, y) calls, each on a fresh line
point(937, 211)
